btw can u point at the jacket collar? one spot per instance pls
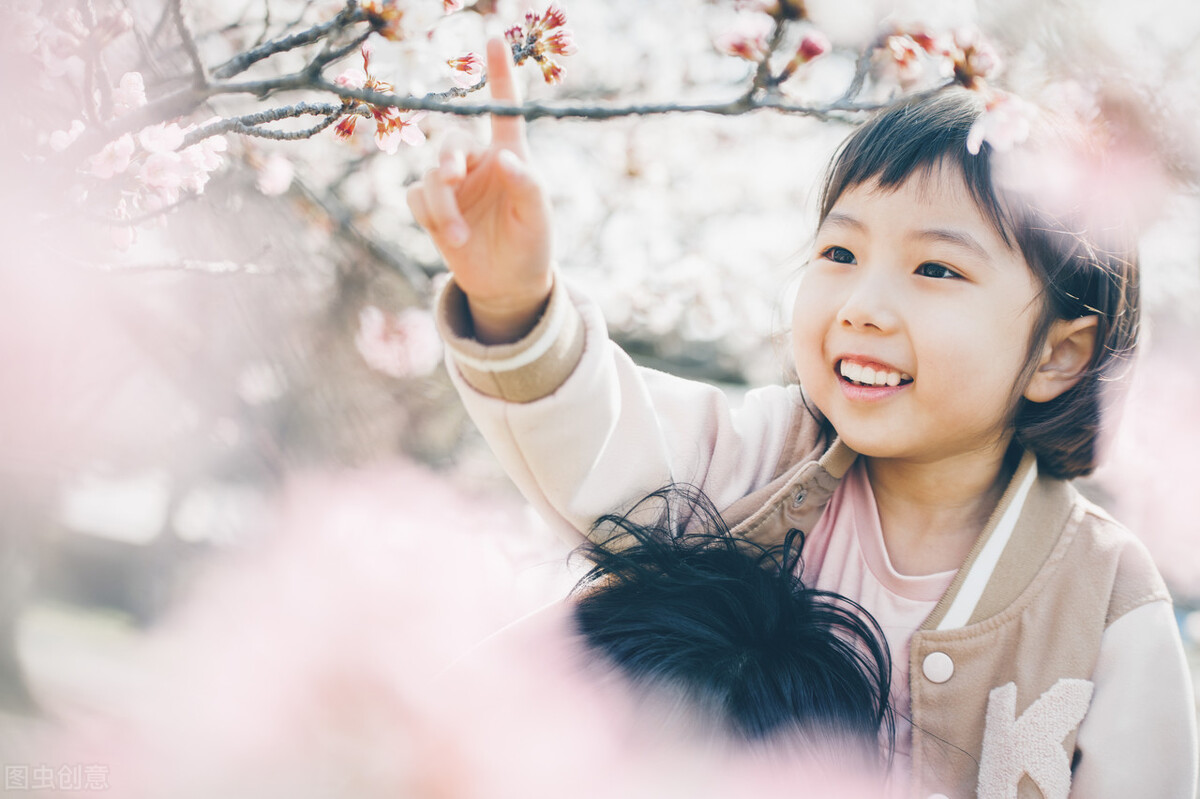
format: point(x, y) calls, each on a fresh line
point(1009, 552)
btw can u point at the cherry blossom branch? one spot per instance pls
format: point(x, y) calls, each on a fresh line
point(189, 43)
point(763, 80)
point(249, 124)
point(348, 16)
point(530, 111)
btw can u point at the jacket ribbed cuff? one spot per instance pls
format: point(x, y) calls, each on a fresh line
point(524, 371)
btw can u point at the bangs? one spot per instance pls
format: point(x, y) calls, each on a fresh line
point(916, 138)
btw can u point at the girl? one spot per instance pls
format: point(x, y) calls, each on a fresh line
point(951, 342)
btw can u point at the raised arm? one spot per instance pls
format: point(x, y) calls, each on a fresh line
point(488, 215)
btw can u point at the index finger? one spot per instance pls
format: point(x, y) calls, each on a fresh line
point(508, 132)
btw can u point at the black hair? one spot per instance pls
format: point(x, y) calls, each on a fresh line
point(1084, 268)
point(682, 604)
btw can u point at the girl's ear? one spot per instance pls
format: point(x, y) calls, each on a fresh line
point(1065, 356)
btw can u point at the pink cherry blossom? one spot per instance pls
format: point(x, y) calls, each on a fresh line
point(58, 51)
point(114, 158)
point(1004, 123)
point(275, 175)
point(814, 44)
point(352, 78)
point(161, 138)
point(466, 70)
point(450, 6)
point(562, 42)
point(129, 94)
point(401, 345)
point(62, 139)
point(747, 38)
point(165, 172)
point(899, 59)
point(393, 131)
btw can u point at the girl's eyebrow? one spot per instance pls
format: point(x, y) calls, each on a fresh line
point(955, 237)
point(844, 220)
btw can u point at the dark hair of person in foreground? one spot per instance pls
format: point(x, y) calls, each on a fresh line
point(681, 604)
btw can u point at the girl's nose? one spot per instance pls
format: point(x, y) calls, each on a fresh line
point(870, 305)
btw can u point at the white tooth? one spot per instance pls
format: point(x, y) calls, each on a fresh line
point(893, 378)
point(852, 371)
point(905, 376)
point(868, 376)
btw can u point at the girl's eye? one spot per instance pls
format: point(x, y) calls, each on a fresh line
point(838, 255)
point(935, 270)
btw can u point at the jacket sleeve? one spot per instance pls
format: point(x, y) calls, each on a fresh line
point(1139, 735)
point(583, 431)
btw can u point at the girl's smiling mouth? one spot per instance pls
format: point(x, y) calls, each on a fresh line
point(861, 379)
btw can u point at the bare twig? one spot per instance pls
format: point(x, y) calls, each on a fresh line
point(189, 43)
point(288, 135)
point(862, 65)
point(240, 63)
point(763, 80)
point(837, 109)
point(328, 56)
point(248, 123)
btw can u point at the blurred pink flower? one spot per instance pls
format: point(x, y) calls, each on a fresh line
point(114, 158)
point(401, 345)
point(1004, 123)
point(161, 138)
point(388, 15)
point(129, 94)
point(899, 59)
point(58, 51)
point(814, 44)
point(747, 38)
point(164, 172)
point(62, 139)
point(351, 78)
point(1149, 464)
point(974, 58)
point(275, 175)
point(450, 6)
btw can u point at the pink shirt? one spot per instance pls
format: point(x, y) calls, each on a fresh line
point(845, 553)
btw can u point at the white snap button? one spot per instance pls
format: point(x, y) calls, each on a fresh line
point(801, 495)
point(938, 667)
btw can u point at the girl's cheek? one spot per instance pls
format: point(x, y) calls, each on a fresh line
point(807, 337)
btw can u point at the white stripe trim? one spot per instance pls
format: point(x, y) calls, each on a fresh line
point(536, 350)
point(972, 587)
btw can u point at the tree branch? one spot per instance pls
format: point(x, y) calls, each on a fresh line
point(248, 123)
point(348, 16)
point(189, 43)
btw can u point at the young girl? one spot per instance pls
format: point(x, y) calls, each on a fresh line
point(950, 342)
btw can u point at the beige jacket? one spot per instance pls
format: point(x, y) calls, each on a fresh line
point(1052, 667)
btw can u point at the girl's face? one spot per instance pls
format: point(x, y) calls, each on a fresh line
point(913, 321)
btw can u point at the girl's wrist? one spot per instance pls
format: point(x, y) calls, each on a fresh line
point(507, 320)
